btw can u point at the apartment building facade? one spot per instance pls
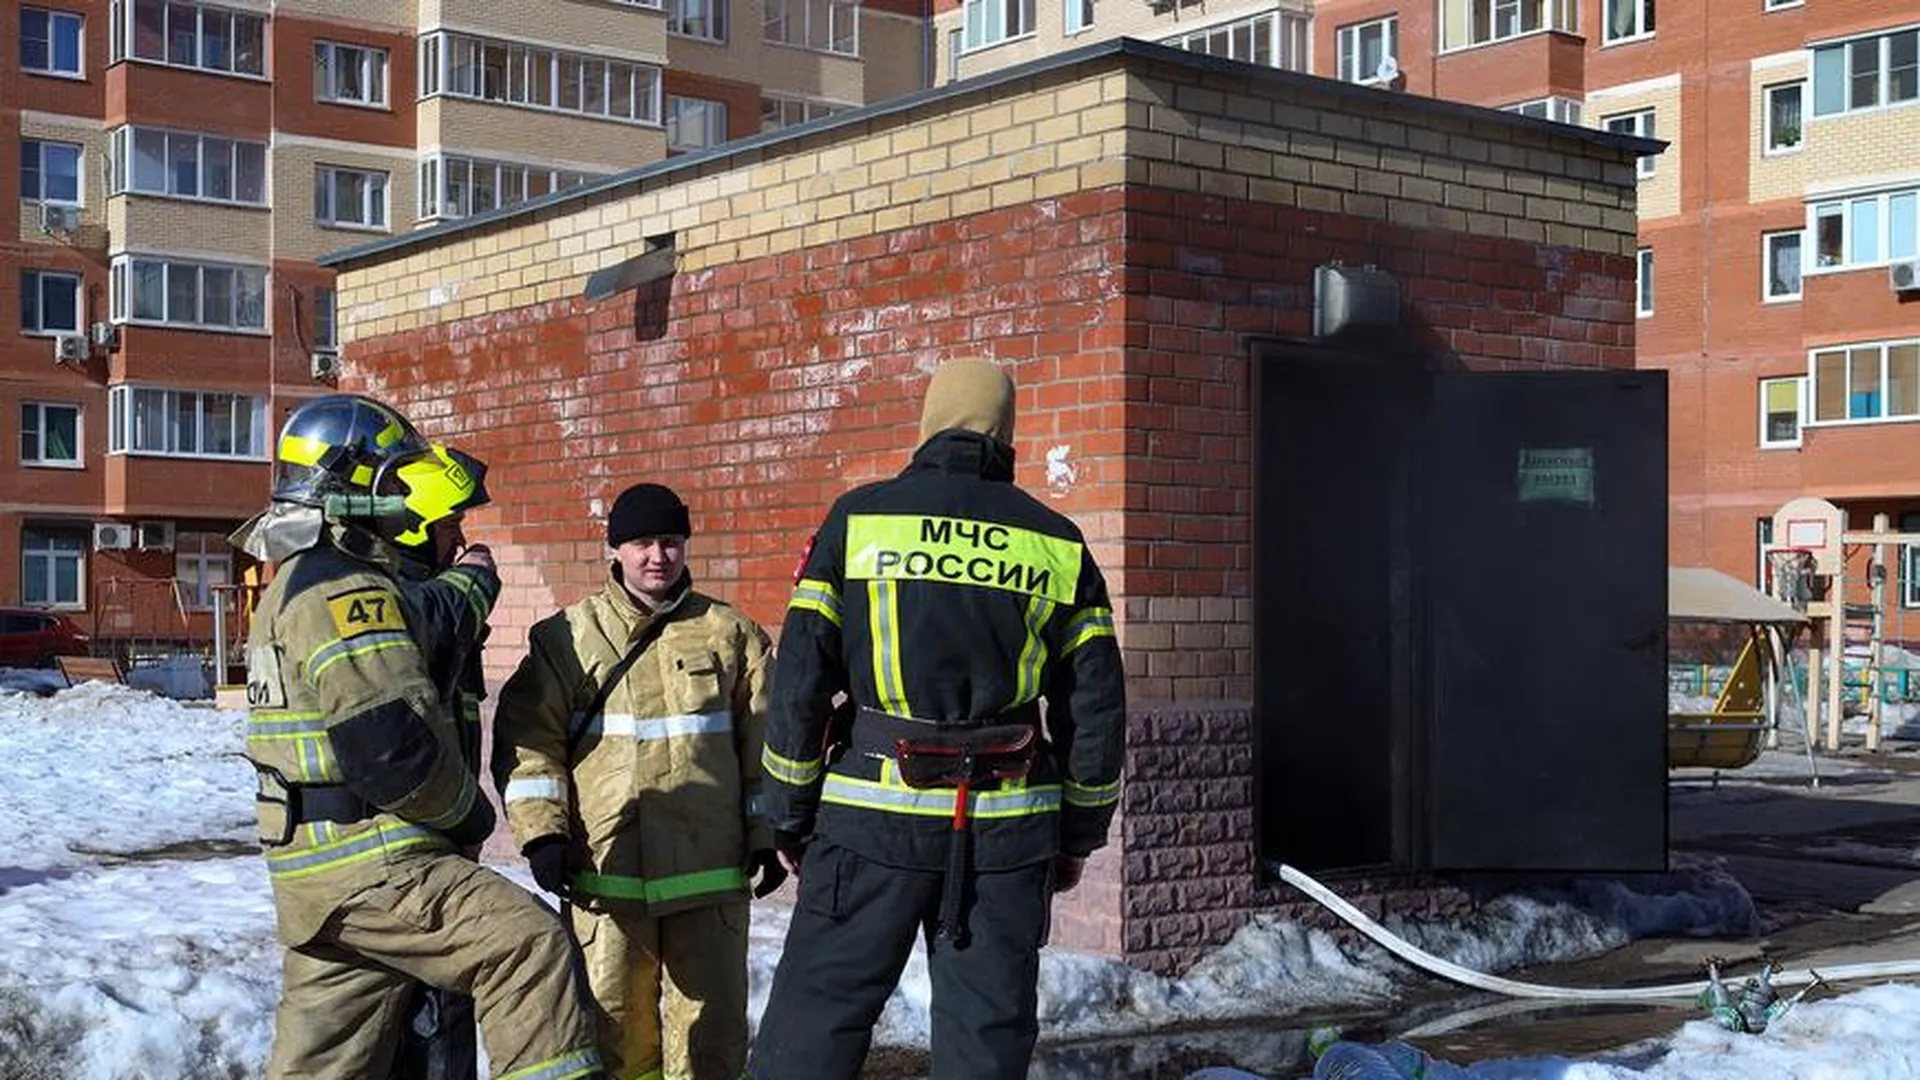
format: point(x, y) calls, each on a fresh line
point(179, 166)
point(1776, 230)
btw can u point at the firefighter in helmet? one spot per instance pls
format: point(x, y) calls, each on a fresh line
point(369, 812)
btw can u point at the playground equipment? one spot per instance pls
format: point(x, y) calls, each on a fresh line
point(1712, 615)
point(1807, 569)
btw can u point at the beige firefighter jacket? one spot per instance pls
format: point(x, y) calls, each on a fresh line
point(659, 794)
point(341, 700)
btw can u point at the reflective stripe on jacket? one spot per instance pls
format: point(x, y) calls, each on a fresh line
point(660, 791)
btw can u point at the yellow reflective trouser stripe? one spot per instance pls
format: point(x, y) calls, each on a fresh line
point(1033, 654)
point(1092, 795)
point(938, 802)
point(817, 596)
point(359, 645)
point(359, 847)
point(660, 890)
point(956, 551)
point(1094, 622)
point(883, 624)
point(794, 771)
point(574, 1063)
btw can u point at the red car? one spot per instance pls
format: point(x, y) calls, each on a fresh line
point(31, 638)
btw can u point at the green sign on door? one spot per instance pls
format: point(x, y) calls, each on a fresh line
point(1557, 476)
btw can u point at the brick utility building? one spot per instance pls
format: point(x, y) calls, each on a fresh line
point(1136, 231)
point(172, 170)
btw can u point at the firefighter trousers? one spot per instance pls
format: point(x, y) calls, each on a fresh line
point(669, 992)
point(449, 923)
point(852, 929)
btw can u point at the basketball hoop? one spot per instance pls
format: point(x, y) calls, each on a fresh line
point(1790, 573)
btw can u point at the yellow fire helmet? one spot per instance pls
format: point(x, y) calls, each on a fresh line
point(338, 444)
point(439, 484)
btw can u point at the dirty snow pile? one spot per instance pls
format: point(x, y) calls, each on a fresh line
point(139, 927)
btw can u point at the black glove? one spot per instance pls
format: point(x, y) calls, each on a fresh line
point(547, 858)
point(472, 831)
point(765, 864)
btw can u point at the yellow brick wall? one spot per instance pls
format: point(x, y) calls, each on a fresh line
point(892, 45)
point(388, 14)
point(1089, 127)
point(1876, 147)
point(782, 69)
point(1659, 193)
point(1111, 19)
point(594, 27)
point(91, 135)
point(145, 223)
point(556, 140)
point(296, 235)
point(1780, 175)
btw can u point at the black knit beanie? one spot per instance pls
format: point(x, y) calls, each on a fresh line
point(647, 510)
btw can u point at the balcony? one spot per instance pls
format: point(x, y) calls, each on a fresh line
point(170, 488)
point(1543, 64)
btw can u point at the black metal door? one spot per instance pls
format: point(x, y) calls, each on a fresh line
point(1543, 561)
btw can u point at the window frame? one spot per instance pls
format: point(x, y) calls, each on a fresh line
point(40, 279)
point(325, 301)
point(531, 181)
point(1643, 295)
point(124, 167)
point(1070, 26)
point(1570, 111)
point(1289, 41)
point(333, 50)
point(1768, 148)
point(784, 20)
point(1767, 243)
point(1799, 384)
point(1844, 48)
point(1884, 382)
point(1640, 124)
point(124, 37)
point(39, 153)
point(40, 542)
point(719, 13)
point(39, 459)
point(208, 550)
point(463, 66)
point(710, 108)
point(1349, 44)
point(123, 296)
point(54, 17)
point(1884, 239)
point(1910, 562)
point(1644, 23)
point(326, 183)
point(123, 414)
point(1556, 16)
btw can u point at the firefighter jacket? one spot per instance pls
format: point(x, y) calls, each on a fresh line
point(947, 594)
point(357, 750)
point(657, 792)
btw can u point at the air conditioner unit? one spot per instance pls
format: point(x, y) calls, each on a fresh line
point(106, 335)
point(112, 536)
point(55, 218)
point(155, 535)
point(69, 348)
point(1904, 276)
point(324, 365)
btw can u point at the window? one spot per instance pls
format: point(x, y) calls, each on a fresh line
point(1079, 16)
point(695, 123)
point(185, 423)
point(1366, 47)
point(172, 292)
point(349, 74)
point(1276, 39)
point(483, 69)
point(1910, 571)
point(1783, 116)
point(452, 186)
point(1775, 5)
point(704, 19)
point(1627, 19)
point(326, 328)
point(956, 45)
point(353, 198)
point(53, 564)
point(784, 112)
point(1866, 230)
point(1866, 383)
point(1466, 23)
point(1643, 283)
point(150, 161)
point(50, 41)
point(1780, 411)
point(1557, 109)
point(201, 562)
point(834, 25)
point(1866, 73)
point(189, 35)
point(50, 171)
point(49, 302)
point(1635, 123)
point(1762, 540)
point(49, 434)
point(1781, 253)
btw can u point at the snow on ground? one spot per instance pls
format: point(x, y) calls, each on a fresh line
point(140, 937)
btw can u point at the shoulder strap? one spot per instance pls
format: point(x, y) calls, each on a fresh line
point(581, 719)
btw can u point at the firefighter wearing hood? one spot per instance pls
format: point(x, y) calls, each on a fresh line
point(627, 750)
point(368, 809)
point(915, 785)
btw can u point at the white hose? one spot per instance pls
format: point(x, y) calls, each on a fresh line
point(1480, 980)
